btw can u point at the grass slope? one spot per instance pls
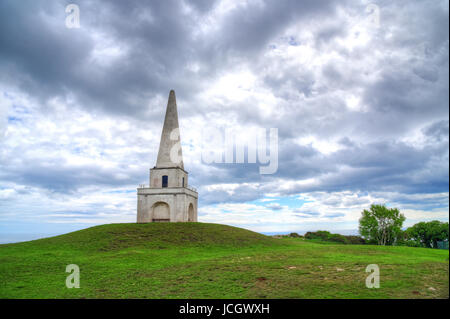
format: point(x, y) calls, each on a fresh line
point(198, 260)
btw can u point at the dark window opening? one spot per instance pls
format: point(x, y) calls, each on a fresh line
point(183, 181)
point(165, 180)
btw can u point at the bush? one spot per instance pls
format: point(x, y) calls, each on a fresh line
point(337, 238)
point(413, 243)
point(356, 240)
point(294, 235)
point(427, 233)
point(320, 234)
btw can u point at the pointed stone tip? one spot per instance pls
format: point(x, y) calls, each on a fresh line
point(172, 96)
point(168, 140)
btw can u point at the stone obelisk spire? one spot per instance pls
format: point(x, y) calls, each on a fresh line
point(170, 154)
point(168, 197)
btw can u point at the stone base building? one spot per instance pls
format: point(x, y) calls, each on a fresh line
point(168, 198)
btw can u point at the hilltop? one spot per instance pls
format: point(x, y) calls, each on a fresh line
point(200, 260)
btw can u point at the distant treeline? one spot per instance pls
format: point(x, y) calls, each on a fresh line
point(432, 234)
point(324, 235)
point(381, 225)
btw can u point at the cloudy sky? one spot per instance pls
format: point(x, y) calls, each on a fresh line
point(358, 91)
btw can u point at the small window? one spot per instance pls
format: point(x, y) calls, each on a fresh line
point(183, 181)
point(165, 180)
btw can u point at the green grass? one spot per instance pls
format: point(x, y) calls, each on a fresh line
point(198, 260)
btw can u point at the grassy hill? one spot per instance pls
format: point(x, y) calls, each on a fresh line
point(198, 260)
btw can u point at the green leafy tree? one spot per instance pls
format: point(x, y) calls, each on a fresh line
point(428, 233)
point(381, 225)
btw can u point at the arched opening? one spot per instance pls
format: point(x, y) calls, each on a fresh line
point(191, 217)
point(161, 212)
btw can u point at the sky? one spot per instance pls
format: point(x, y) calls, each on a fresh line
point(357, 91)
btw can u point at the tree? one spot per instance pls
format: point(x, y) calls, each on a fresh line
point(428, 233)
point(381, 225)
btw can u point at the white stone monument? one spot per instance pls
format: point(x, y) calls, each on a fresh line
point(168, 198)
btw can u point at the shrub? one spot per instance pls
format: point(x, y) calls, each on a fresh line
point(356, 240)
point(413, 243)
point(427, 233)
point(337, 238)
point(320, 234)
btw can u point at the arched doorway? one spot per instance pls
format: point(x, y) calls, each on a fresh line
point(191, 217)
point(161, 212)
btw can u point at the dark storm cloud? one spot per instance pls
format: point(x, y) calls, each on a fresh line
point(438, 130)
point(68, 178)
point(50, 60)
point(261, 21)
point(389, 166)
point(240, 194)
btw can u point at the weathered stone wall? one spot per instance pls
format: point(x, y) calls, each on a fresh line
point(175, 176)
point(178, 200)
